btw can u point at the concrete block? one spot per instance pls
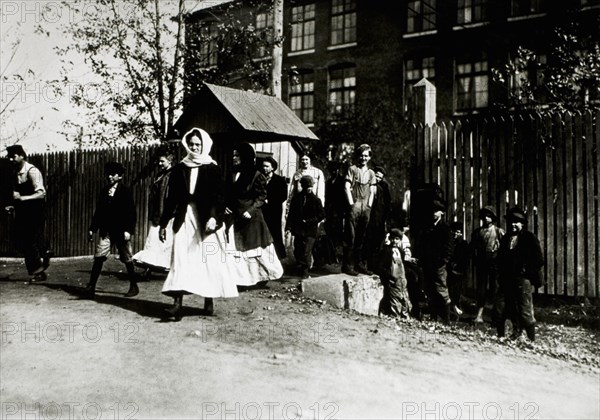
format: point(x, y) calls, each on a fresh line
point(328, 288)
point(361, 293)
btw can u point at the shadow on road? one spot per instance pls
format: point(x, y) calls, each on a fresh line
point(146, 308)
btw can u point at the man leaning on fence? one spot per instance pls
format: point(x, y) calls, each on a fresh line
point(28, 201)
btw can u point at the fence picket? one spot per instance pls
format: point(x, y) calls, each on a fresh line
point(546, 164)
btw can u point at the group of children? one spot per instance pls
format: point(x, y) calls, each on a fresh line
point(401, 276)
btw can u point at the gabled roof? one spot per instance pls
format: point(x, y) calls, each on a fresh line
point(243, 115)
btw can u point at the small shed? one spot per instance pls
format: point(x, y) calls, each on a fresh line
point(232, 115)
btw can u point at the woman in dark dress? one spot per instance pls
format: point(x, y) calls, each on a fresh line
point(248, 235)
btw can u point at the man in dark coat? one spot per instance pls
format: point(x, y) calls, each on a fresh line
point(520, 260)
point(306, 211)
point(435, 250)
point(28, 199)
point(114, 220)
point(376, 230)
point(273, 207)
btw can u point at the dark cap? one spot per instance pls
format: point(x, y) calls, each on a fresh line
point(439, 205)
point(272, 161)
point(112, 168)
point(515, 214)
point(379, 169)
point(396, 233)
point(488, 211)
point(16, 149)
point(307, 181)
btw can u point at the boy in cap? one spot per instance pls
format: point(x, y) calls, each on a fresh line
point(28, 199)
point(520, 260)
point(306, 212)
point(114, 219)
point(484, 245)
point(395, 300)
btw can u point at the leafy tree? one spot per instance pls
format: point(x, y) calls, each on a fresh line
point(379, 123)
point(567, 78)
point(137, 55)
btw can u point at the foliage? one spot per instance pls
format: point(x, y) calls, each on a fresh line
point(137, 55)
point(567, 78)
point(236, 53)
point(379, 123)
point(15, 80)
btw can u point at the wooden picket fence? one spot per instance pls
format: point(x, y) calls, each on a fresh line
point(73, 180)
point(546, 164)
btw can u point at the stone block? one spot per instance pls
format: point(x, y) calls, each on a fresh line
point(328, 288)
point(361, 293)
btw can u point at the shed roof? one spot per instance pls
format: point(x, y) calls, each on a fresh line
point(244, 115)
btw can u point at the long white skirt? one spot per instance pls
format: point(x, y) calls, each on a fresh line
point(254, 265)
point(156, 254)
point(199, 262)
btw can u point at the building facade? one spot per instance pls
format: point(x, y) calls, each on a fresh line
point(339, 54)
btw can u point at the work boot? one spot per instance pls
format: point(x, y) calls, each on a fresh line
point(500, 328)
point(530, 330)
point(349, 270)
point(362, 268)
point(133, 287)
point(175, 311)
point(90, 289)
point(209, 307)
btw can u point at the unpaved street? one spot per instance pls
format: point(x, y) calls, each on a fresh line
point(267, 354)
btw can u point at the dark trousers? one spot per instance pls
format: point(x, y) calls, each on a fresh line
point(355, 232)
point(455, 281)
point(515, 302)
point(273, 221)
point(437, 290)
point(486, 272)
point(303, 246)
point(29, 239)
point(414, 283)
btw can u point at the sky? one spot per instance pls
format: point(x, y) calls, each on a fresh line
point(32, 101)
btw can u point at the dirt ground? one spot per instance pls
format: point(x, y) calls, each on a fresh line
point(270, 354)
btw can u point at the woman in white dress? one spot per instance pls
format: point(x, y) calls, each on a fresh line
point(156, 255)
point(248, 233)
point(195, 203)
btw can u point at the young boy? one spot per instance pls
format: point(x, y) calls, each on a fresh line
point(395, 300)
point(485, 242)
point(306, 212)
point(114, 219)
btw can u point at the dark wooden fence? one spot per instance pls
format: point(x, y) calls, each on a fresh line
point(73, 180)
point(546, 164)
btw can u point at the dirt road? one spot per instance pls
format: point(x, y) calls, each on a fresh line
point(267, 354)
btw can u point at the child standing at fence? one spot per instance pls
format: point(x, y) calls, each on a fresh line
point(114, 220)
point(485, 242)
